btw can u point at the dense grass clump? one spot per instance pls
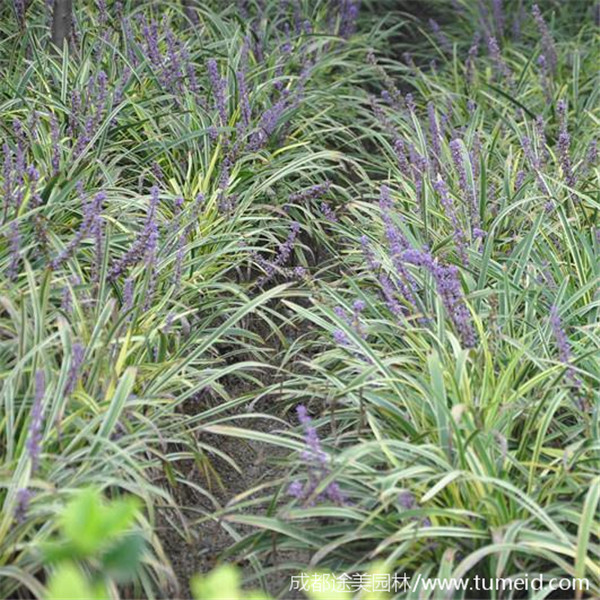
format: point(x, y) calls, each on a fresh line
point(383, 228)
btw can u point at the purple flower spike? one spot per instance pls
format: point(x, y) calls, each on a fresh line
point(128, 290)
point(548, 47)
point(591, 160)
point(340, 338)
point(354, 322)
point(219, 87)
point(283, 254)
point(502, 70)
point(564, 142)
point(546, 81)
point(498, 14)
point(317, 462)
point(24, 496)
point(440, 36)
point(303, 415)
point(34, 439)
point(328, 212)
point(434, 130)
point(7, 170)
point(471, 57)
point(78, 352)
point(311, 193)
point(15, 253)
point(55, 137)
point(90, 225)
point(541, 138)
point(397, 244)
point(145, 244)
point(451, 212)
point(467, 191)
point(246, 111)
point(450, 291)
point(348, 14)
point(564, 347)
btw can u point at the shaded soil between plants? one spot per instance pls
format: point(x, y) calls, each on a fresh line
point(209, 537)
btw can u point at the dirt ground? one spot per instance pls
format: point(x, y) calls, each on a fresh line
point(258, 463)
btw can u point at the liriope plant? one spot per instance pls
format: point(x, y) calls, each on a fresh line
point(461, 371)
point(147, 175)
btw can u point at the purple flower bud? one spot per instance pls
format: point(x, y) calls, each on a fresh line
point(353, 322)
point(419, 258)
point(419, 166)
point(102, 12)
point(299, 272)
point(407, 500)
point(397, 243)
point(75, 114)
point(190, 71)
point(296, 490)
point(359, 305)
point(334, 493)
point(403, 163)
point(20, 10)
